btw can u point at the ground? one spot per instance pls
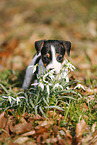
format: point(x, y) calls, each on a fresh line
point(22, 23)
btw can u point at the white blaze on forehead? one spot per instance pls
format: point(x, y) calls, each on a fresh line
point(54, 63)
point(53, 53)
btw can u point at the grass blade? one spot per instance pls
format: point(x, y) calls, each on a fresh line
point(42, 112)
point(55, 107)
point(68, 97)
point(4, 88)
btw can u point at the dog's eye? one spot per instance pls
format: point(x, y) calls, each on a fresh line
point(45, 59)
point(60, 58)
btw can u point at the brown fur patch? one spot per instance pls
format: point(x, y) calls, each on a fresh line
point(63, 58)
point(57, 54)
point(45, 64)
point(48, 55)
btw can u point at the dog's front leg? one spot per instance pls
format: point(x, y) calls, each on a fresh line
point(29, 73)
point(28, 77)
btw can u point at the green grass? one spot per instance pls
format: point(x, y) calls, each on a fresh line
point(50, 93)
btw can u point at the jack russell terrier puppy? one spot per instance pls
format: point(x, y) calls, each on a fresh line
point(50, 55)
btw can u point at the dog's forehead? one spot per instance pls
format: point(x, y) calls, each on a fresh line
point(55, 43)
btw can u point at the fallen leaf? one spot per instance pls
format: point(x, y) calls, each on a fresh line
point(21, 140)
point(80, 128)
point(93, 139)
point(23, 120)
point(44, 123)
point(55, 129)
point(30, 133)
point(4, 134)
point(20, 128)
point(11, 143)
point(51, 113)
point(38, 117)
point(91, 91)
point(62, 142)
point(84, 106)
point(8, 47)
point(67, 133)
point(86, 139)
point(90, 98)
point(41, 130)
point(51, 140)
point(3, 120)
point(13, 43)
point(94, 127)
point(43, 137)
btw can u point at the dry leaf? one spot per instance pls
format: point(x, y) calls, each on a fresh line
point(51, 113)
point(84, 106)
point(90, 98)
point(44, 123)
point(51, 140)
point(55, 129)
point(3, 120)
point(43, 137)
point(21, 140)
point(11, 143)
point(4, 134)
point(93, 140)
point(8, 47)
point(80, 128)
point(62, 142)
point(85, 140)
point(23, 120)
point(38, 117)
point(67, 132)
point(94, 127)
point(20, 128)
point(41, 130)
point(30, 133)
point(91, 91)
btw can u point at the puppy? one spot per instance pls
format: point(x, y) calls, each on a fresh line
point(50, 55)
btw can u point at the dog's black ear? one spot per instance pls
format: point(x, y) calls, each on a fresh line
point(67, 46)
point(39, 45)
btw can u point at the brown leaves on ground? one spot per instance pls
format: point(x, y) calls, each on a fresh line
point(3, 120)
point(7, 48)
point(80, 128)
point(80, 138)
point(31, 129)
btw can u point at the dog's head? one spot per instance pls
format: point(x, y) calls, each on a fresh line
point(53, 52)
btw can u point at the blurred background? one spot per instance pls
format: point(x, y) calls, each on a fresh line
point(22, 22)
